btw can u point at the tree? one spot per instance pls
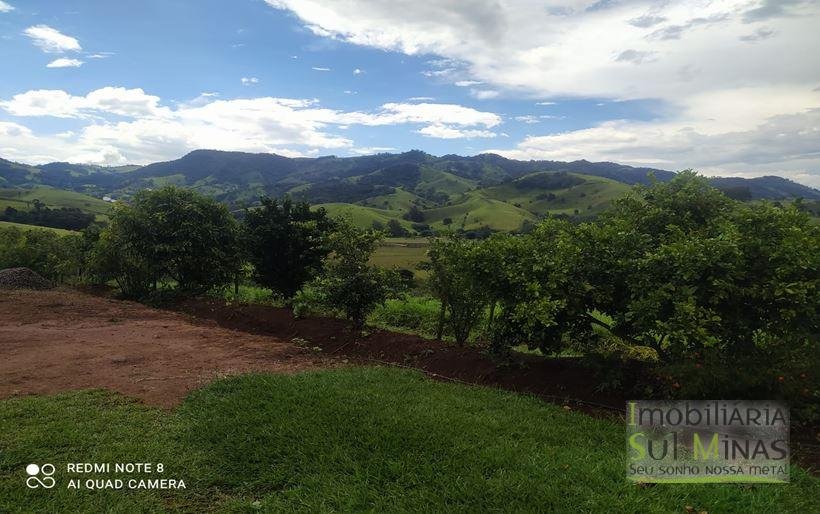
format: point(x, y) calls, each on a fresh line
point(170, 234)
point(414, 214)
point(349, 283)
point(394, 229)
point(454, 281)
point(286, 242)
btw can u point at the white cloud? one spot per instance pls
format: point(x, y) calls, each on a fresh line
point(484, 94)
point(785, 145)
point(4, 7)
point(64, 63)
point(247, 81)
point(421, 99)
point(59, 104)
point(319, 68)
point(51, 40)
point(544, 103)
point(151, 132)
point(681, 53)
point(358, 71)
point(372, 150)
point(467, 83)
point(527, 118)
point(445, 132)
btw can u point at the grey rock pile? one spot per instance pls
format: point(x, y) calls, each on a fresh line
point(22, 278)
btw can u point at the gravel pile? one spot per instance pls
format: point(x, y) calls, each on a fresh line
point(22, 278)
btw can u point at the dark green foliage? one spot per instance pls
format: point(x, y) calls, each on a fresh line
point(395, 229)
point(286, 243)
point(349, 283)
point(414, 214)
point(548, 181)
point(456, 268)
point(65, 217)
point(170, 234)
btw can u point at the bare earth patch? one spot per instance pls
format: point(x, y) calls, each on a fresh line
point(53, 341)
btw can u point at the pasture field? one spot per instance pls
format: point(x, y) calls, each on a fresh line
point(8, 224)
point(350, 440)
point(21, 199)
point(401, 252)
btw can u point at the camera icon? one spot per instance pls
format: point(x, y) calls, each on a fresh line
point(40, 476)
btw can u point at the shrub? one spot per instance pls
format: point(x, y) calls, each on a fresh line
point(54, 256)
point(413, 313)
point(286, 243)
point(349, 283)
point(170, 234)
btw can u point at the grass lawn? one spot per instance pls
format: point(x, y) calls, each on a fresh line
point(357, 439)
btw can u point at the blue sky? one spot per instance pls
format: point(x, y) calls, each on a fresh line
point(698, 83)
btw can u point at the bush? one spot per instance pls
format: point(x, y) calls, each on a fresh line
point(412, 313)
point(286, 243)
point(60, 258)
point(349, 283)
point(170, 234)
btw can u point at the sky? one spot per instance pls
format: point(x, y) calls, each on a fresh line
point(726, 87)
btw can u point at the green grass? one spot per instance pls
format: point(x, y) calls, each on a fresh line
point(350, 440)
point(22, 199)
point(61, 231)
point(401, 252)
point(362, 216)
point(590, 198)
point(475, 210)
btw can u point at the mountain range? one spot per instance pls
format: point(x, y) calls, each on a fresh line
point(413, 187)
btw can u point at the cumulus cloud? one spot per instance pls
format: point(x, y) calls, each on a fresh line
point(786, 145)
point(358, 71)
point(64, 63)
point(129, 125)
point(4, 7)
point(248, 81)
point(51, 40)
point(689, 52)
point(59, 104)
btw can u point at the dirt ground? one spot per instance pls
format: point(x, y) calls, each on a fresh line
point(53, 341)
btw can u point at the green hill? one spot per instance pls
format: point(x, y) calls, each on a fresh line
point(473, 192)
point(23, 200)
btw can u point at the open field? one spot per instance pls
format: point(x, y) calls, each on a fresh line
point(8, 224)
point(401, 252)
point(22, 199)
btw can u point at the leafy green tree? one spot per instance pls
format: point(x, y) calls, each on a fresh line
point(170, 234)
point(55, 256)
point(350, 283)
point(286, 243)
point(395, 229)
point(454, 279)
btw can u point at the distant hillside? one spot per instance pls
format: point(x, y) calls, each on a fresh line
point(460, 192)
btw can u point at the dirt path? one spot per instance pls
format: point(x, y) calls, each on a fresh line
point(53, 341)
